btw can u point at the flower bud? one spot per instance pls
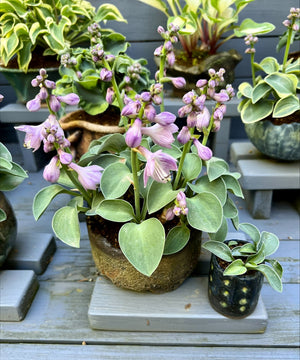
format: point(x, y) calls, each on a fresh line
point(146, 96)
point(43, 72)
point(64, 157)
point(150, 112)
point(131, 109)
point(204, 152)
point(188, 97)
point(184, 110)
point(184, 135)
point(221, 96)
point(160, 29)
point(165, 118)
point(171, 58)
point(54, 103)
point(34, 104)
point(133, 136)
point(168, 46)
point(178, 82)
point(43, 94)
point(105, 75)
point(158, 50)
point(201, 83)
point(203, 119)
point(51, 172)
point(69, 99)
point(169, 214)
point(157, 99)
point(35, 82)
point(191, 119)
point(110, 95)
point(50, 84)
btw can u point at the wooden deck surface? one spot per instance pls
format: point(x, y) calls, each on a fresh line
point(56, 325)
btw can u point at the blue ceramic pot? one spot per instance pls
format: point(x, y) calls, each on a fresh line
point(280, 142)
point(233, 296)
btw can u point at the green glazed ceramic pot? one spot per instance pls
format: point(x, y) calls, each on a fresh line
point(280, 142)
point(21, 82)
point(233, 296)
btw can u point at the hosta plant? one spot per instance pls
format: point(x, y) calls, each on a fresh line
point(243, 258)
point(51, 25)
point(274, 93)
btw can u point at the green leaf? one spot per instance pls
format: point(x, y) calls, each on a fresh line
point(115, 210)
point(143, 244)
point(251, 230)
point(246, 89)
point(216, 167)
point(3, 216)
point(254, 112)
point(269, 65)
point(44, 197)
point(160, 195)
point(205, 212)
point(259, 257)
point(233, 184)
point(229, 209)
point(5, 164)
point(221, 234)
point(216, 187)
point(260, 91)
point(237, 267)
point(66, 227)
point(97, 199)
point(270, 241)
point(272, 276)
point(176, 239)
point(248, 26)
point(158, 4)
point(248, 248)
point(276, 266)
point(115, 180)
point(283, 84)
point(219, 249)
point(114, 44)
point(191, 167)
point(174, 151)
point(4, 152)
point(108, 12)
point(286, 106)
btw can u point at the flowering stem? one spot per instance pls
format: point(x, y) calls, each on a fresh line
point(186, 149)
point(253, 69)
point(161, 75)
point(134, 161)
point(207, 131)
point(287, 47)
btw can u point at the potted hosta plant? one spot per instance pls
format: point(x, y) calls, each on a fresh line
point(11, 175)
point(34, 32)
point(270, 108)
point(204, 27)
point(92, 74)
point(237, 270)
point(147, 193)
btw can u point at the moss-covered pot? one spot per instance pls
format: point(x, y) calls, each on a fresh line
point(8, 229)
point(233, 296)
point(280, 142)
point(170, 274)
point(82, 127)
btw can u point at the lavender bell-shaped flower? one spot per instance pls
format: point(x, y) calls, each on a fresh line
point(51, 172)
point(204, 152)
point(161, 135)
point(33, 137)
point(64, 157)
point(158, 165)
point(34, 104)
point(133, 136)
point(88, 176)
point(165, 118)
point(69, 99)
point(203, 119)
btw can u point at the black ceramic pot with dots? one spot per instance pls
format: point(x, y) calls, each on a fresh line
point(233, 296)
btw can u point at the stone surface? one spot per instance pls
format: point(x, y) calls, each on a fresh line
point(17, 289)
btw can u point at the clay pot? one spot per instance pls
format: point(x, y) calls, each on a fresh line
point(82, 128)
point(233, 296)
point(8, 229)
point(276, 141)
point(170, 274)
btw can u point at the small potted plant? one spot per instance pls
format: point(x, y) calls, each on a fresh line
point(147, 193)
point(270, 108)
point(237, 270)
point(204, 27)
point(34, 32)
point(11, 175)
point(92, 74)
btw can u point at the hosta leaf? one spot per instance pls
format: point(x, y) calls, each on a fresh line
point(115, 180)
point(66, 227)
point(286, 106)
point(246, 90)
point(272, 276)
point(248, 26)
point(283, 84)
point(216, 167)
point(237, 267)
point(216, 187)
point(115, 210)
point(219, 249)
point(254, 112)
point(259, 91)
point(160, 195)
point(176, 239)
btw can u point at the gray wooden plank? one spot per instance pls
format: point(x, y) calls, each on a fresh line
point(59, 315)
point(186, 309)
point(32, 251)
point(93, 352)
point(17, 289)
point(243, 151)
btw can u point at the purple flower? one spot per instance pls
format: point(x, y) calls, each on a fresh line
point(184, 135)
point(160, 29)
point(221, 96)
point(165, 118)
point(178, 82)
point(181, 198)
point(43, 94)
point(51, 172)
point(133, 136)
point(1, 97)
point(110, 95)
point(35, 82)
point(204, 152)
point(177, 210)
point(200, 101)
point(158, 50)
point(184, 110)
point(69, 99)
point(188, 97)
point(50, 84)
point(34, 104)
point(54, 103)
point(203, 118)
point(150, 112)
point(105, 75)
point(64, 157)
point(168, 45)
point(217, 125)
point(33, 137)
point(158, 165)
point(191, 119)
point(89, 176)
point(146, 96)
point(157, 99)
point(171, 58)
point(218, 114)
point(161, 135)
point(201, 83)
point(131, 109)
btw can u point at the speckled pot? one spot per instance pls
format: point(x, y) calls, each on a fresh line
point(233, 296)
point(280, 142)
point(8, 229)
point(170, 274)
